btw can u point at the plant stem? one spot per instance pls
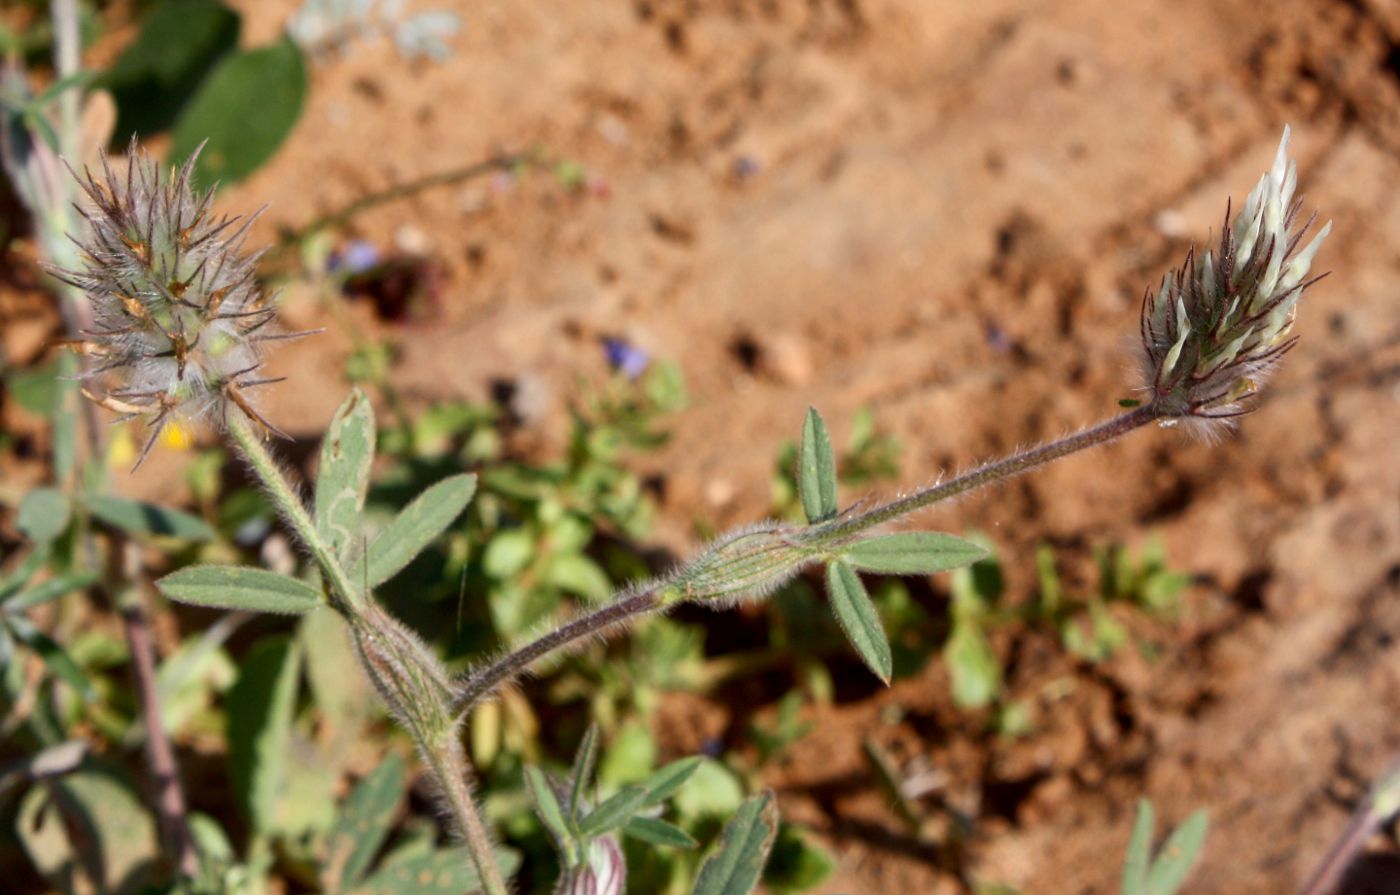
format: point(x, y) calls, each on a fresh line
point(393, 193)
point(449, 765)
point(482, 682)
point(440, 746)
point(169, 795)
point(289, 502)
point(1380, 805)
point(988, 473)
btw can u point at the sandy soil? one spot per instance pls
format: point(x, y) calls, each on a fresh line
point(946, 211)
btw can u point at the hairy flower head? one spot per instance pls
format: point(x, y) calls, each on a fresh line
point(1219, 325)
point(179, 321)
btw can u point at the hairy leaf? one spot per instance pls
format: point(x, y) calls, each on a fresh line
point(614, 811)
point(139, 518)
point(343, 476)
point(362, 826)
point(744, 845)
point(816, 475)
point(417, 526)
point(856, 613)
point(240, 587)
point(659, 832)
point(550, 812)
point(913, 553)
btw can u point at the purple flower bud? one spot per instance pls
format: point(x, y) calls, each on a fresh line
point(604, 874)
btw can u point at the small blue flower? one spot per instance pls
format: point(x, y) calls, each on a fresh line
point(356, 256)
point(626, 358)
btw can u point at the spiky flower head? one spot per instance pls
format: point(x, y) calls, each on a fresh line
point(1219, 325)
point(179, 321)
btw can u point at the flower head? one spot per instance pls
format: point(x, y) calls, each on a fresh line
point(178, 318)
point(1219, 325)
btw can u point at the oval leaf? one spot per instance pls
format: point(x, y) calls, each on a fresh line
point(140, 518)
point(744, 846)
point(244, 109)
point(239, 587)
point(343, 476)
point(180, 41)
point(913, 553)
point(43, 514)
point(816, 472)
point(973, 666)
point(858, 618)
point(417, 526)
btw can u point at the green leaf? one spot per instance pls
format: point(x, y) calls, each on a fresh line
point(973, 666)
point(614, 811)
point(441, 872)
point(179, 42)
point(858, 618)
point(343, 476)
point(661, 785)
point(1178, 855)
point(86, 831)
point(417, 526)
point(796, 865)
point(53, 655)
point(579, 575)
point(244, 109)
point(580, 777)
point(550, 812)
point(713, 791)
point(138, 518)
point(913, 553)
point(658, 832)
point(362, 826)
point(1139, 852)
point(507, 553)
point(50, 590)
point(67, 399)
point(240, 587)
point(43, 514)
point(260, 706)
point(744, 846)
point(816, 470)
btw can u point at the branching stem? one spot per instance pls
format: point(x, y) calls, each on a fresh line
point(481, 683)
point(443, 754)
point(289, 502)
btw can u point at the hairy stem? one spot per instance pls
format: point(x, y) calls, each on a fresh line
point(995, 471)
point(289, 502)
point(482, 682)
point(449, 765)
point(1379, 806)
point(438, 741)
